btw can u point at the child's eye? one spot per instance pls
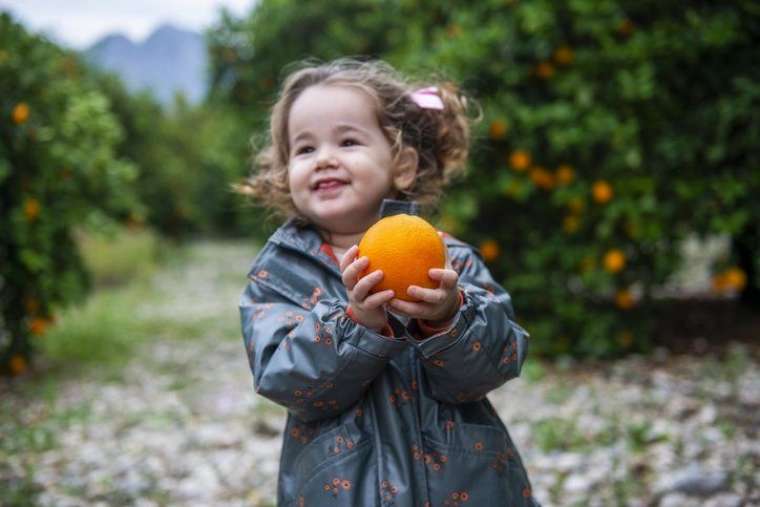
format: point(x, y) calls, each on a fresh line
point(349, 142)
point(304, 149)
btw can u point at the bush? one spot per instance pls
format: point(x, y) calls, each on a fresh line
point(57, 169)
point(612, 130)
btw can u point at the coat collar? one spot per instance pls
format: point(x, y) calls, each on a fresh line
point(304, 239)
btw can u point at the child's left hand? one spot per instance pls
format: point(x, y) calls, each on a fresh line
point(437, 306)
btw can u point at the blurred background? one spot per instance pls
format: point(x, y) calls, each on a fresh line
point(610, 189)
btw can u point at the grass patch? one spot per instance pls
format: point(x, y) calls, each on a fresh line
point(116, 255)
point(103, 330)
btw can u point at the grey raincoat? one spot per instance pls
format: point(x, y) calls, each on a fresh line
point(376, 420)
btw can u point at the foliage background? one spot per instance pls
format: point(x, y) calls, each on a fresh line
point(611, 131)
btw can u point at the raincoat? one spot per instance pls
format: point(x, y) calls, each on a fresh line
point(378, 420)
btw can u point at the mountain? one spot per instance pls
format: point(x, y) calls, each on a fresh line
point(169, 60)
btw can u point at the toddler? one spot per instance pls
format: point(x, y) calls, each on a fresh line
point(386, 398)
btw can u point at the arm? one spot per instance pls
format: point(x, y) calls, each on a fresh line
point(317, 363)
point(483, 347)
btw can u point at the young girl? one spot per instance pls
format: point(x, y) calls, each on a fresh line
point(386, 398)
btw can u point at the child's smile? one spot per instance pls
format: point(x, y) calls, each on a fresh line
point(340, 166)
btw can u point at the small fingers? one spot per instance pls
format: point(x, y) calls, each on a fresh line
point(433, 296)
point(348, 257)
point(378, 299)
point(408, 308)
point(365, 284)
point(351, 274)
point(447, 277)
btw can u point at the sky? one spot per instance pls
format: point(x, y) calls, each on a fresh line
point(79, 23)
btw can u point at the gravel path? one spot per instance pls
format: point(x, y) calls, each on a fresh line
point(182, 426)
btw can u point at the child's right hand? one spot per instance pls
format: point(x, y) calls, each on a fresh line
point(366, 309)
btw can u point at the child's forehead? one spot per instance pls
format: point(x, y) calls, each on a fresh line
point(333, 105)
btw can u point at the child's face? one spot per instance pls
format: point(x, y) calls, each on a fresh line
point(340, 162)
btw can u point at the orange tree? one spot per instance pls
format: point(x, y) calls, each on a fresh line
point(57, 169)
point(611, 131)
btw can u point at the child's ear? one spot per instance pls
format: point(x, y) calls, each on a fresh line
point(406, 168)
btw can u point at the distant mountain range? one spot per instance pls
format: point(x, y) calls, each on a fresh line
point(170, 60)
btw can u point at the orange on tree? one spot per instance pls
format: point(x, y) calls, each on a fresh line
point(405, 248)
point(31, 208)
point(490, 250)
point(614, 260)
point(20, 113)
point(564, 175)
point(498, 129)
point(624, 299)
point(17, 365)
point(564, 55)
point(519, 160)
point(602, 191)
point(541, 178)
point(545, 70)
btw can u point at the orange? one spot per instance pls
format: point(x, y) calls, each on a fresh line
point(498, 129)
point(519, 160)
point(624, 299)
point(614, 260)
point(405, 248)
point(565, 174)
point(20, 113)
point(490, 250)
point(545, 70)
point(563, 55)
point(602, 191)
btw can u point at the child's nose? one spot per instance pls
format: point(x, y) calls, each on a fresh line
point(326, 158)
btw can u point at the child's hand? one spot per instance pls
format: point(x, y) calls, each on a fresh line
point(366, 309)
point(437, 306)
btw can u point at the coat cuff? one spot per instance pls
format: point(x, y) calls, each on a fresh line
point(378, 344)
point(448, 337)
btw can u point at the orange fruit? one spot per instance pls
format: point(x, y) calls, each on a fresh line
point(602, 191)
point(564, 55)
point(614, 260)
point(490, 250)
point(498, 129)
point(519, 160)
point(20, 113)
point(405, 248)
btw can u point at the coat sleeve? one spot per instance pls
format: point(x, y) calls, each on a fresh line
point(316, 362)
point(483, 348)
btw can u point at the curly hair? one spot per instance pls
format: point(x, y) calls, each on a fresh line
point(441, 138)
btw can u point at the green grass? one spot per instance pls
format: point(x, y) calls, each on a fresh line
point(117, 256)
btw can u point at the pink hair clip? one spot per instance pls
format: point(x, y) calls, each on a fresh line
point(427, 98)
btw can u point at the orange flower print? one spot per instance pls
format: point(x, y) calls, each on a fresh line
point(337, 485)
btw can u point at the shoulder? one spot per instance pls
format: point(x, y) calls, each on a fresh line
point(291, 265)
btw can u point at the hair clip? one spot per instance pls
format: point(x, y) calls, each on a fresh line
point(427, 98)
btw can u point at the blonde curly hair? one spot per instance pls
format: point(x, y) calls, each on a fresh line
point(441, 138)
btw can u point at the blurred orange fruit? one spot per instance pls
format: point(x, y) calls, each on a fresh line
point(17, 365)
point(602, 191)
point(614, 260)
point(624, 299)
point(563, 55)
point(497, 129)
point(519, 160)
point(38, 326)
point(405, 248)
point(541, 178)
point(565, 174)
point(545, 70)
point(490, 250)
point(31, 208)
point(20, 113)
